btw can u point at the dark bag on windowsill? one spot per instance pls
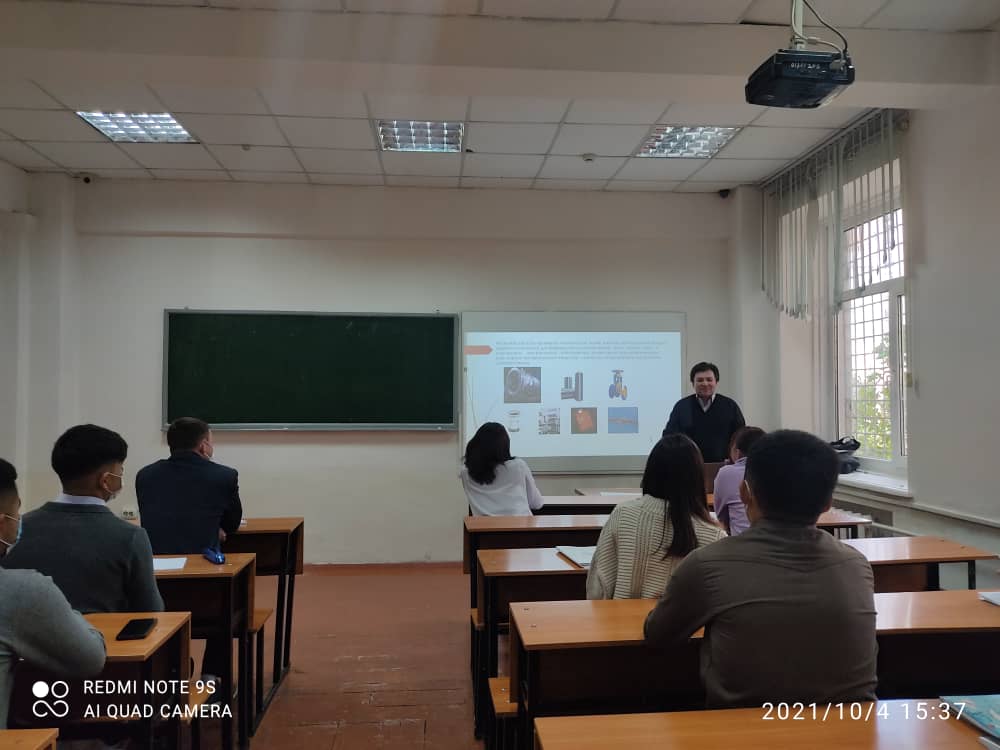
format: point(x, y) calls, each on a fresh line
point(845, 448)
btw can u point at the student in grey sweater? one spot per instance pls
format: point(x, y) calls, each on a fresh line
point(36, 622)
point(100, 562)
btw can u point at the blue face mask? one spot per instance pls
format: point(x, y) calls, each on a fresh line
point(17, 538)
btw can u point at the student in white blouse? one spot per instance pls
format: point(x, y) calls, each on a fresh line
point(646, 538)
point(496, 483)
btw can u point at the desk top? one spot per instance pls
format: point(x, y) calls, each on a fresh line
point(719, 730)
point(270, 525)
point(596, 499)
point(580, 624)
point(533, 523)
point(167, 623)
point(916, 549)
point(837, 517)
point(635, 491)
point(198, 567)
point(526, 562)
point(27, 739)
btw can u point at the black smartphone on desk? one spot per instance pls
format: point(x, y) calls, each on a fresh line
point(136, 630)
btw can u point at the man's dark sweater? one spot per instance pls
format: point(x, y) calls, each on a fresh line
point(711, 430)
point(100, 562)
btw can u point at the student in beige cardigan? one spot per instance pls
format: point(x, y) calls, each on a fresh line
point(645, 538)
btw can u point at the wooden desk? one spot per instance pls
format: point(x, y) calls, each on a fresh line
point(220, 599)
point(28, 739)
point(897, 728)
point(517, 532)
point(581, 504)
point(621, 492)
point(911, 563)
point(278, 544)
point(164, 654)
point(589, 656)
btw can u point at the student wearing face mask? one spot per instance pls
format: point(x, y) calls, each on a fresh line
point(37, 624)
point(100, 562)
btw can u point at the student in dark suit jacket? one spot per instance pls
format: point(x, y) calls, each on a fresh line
point(188, 503)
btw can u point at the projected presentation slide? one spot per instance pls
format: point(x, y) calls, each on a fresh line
point(572, 393)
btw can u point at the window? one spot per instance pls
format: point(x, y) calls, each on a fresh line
point(872, 328)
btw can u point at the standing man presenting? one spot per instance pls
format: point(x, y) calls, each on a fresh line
point(707, 417)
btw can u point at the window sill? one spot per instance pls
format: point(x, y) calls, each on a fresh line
point(877, 484)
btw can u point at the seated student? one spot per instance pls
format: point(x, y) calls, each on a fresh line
point(496, 483)
point(187, 502)
point(100, 562)
point(788, 610)
point(36, 622)
point(729, 508)
point(645, 539)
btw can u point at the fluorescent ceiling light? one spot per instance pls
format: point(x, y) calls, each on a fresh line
point(139, 127)
point(420, 135)
point(686, 141)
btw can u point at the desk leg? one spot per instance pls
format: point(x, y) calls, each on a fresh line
point(853, 531)
point(289, 607)
point(972, 574)
point(279, 629)
point(933, 577)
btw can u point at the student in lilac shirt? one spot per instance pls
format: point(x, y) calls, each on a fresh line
point(729, 508)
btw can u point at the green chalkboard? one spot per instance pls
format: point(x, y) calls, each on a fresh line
point(264, 370)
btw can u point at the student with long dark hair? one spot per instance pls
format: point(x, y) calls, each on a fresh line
point(496, 483)
point(645, 538)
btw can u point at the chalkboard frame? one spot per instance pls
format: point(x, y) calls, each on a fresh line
point(452, 426)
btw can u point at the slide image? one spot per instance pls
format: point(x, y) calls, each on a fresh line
point(549, 422)
point(584, 421)
point(617, 389)
point(573, 387)
point(522, 385)
point(623, 420)
point(514, 420)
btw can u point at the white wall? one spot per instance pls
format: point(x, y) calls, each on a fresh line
point(140, 247)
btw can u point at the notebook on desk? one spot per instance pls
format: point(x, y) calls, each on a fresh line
point(169, 563)
point(982, 711)
point(993, 597)
point(579, 555)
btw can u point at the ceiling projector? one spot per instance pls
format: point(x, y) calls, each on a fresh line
point(800, 78)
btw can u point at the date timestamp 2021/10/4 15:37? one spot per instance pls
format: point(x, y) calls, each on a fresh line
point(904, 710)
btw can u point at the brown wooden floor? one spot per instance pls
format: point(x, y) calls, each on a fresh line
point(380, 660)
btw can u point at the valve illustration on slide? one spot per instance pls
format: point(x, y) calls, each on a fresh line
point(573, 387)
point(618, 388)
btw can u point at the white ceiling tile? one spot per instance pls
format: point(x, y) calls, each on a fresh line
point(86, 155)
point(23, 94)
point(437, 182)
point(433, 7)
point(434, 165)
point(315, 132)
point(216, 175)
point(172, 156)
point(507, 165)
point(646, 185)
point(503, 183)
point(605, 140)
point(121, 174)
point(575, 168)
point(681, 11)
point(256, 130)
point(257, 158)
point(615, 111)
point(347, 179)
point(415, 107)
point(509, 138)
point(227, 101)
point(772, 143)
point(737, 113)
point(39, 125)
point(315, 102)
point(659, 168)
point(548, 8)
point(269, 176)
point(339, 161)
point(90, 95)
point(739, 170)
point(937, 15)
point(21, 156)
point(706, 187)
point(517, 109)
point(569, 184)
point(822, 117)
point(847, 13)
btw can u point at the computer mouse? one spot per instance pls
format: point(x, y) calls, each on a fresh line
point(214, 556)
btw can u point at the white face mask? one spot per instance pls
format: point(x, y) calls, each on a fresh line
point(121, 479)
point(17, 537)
